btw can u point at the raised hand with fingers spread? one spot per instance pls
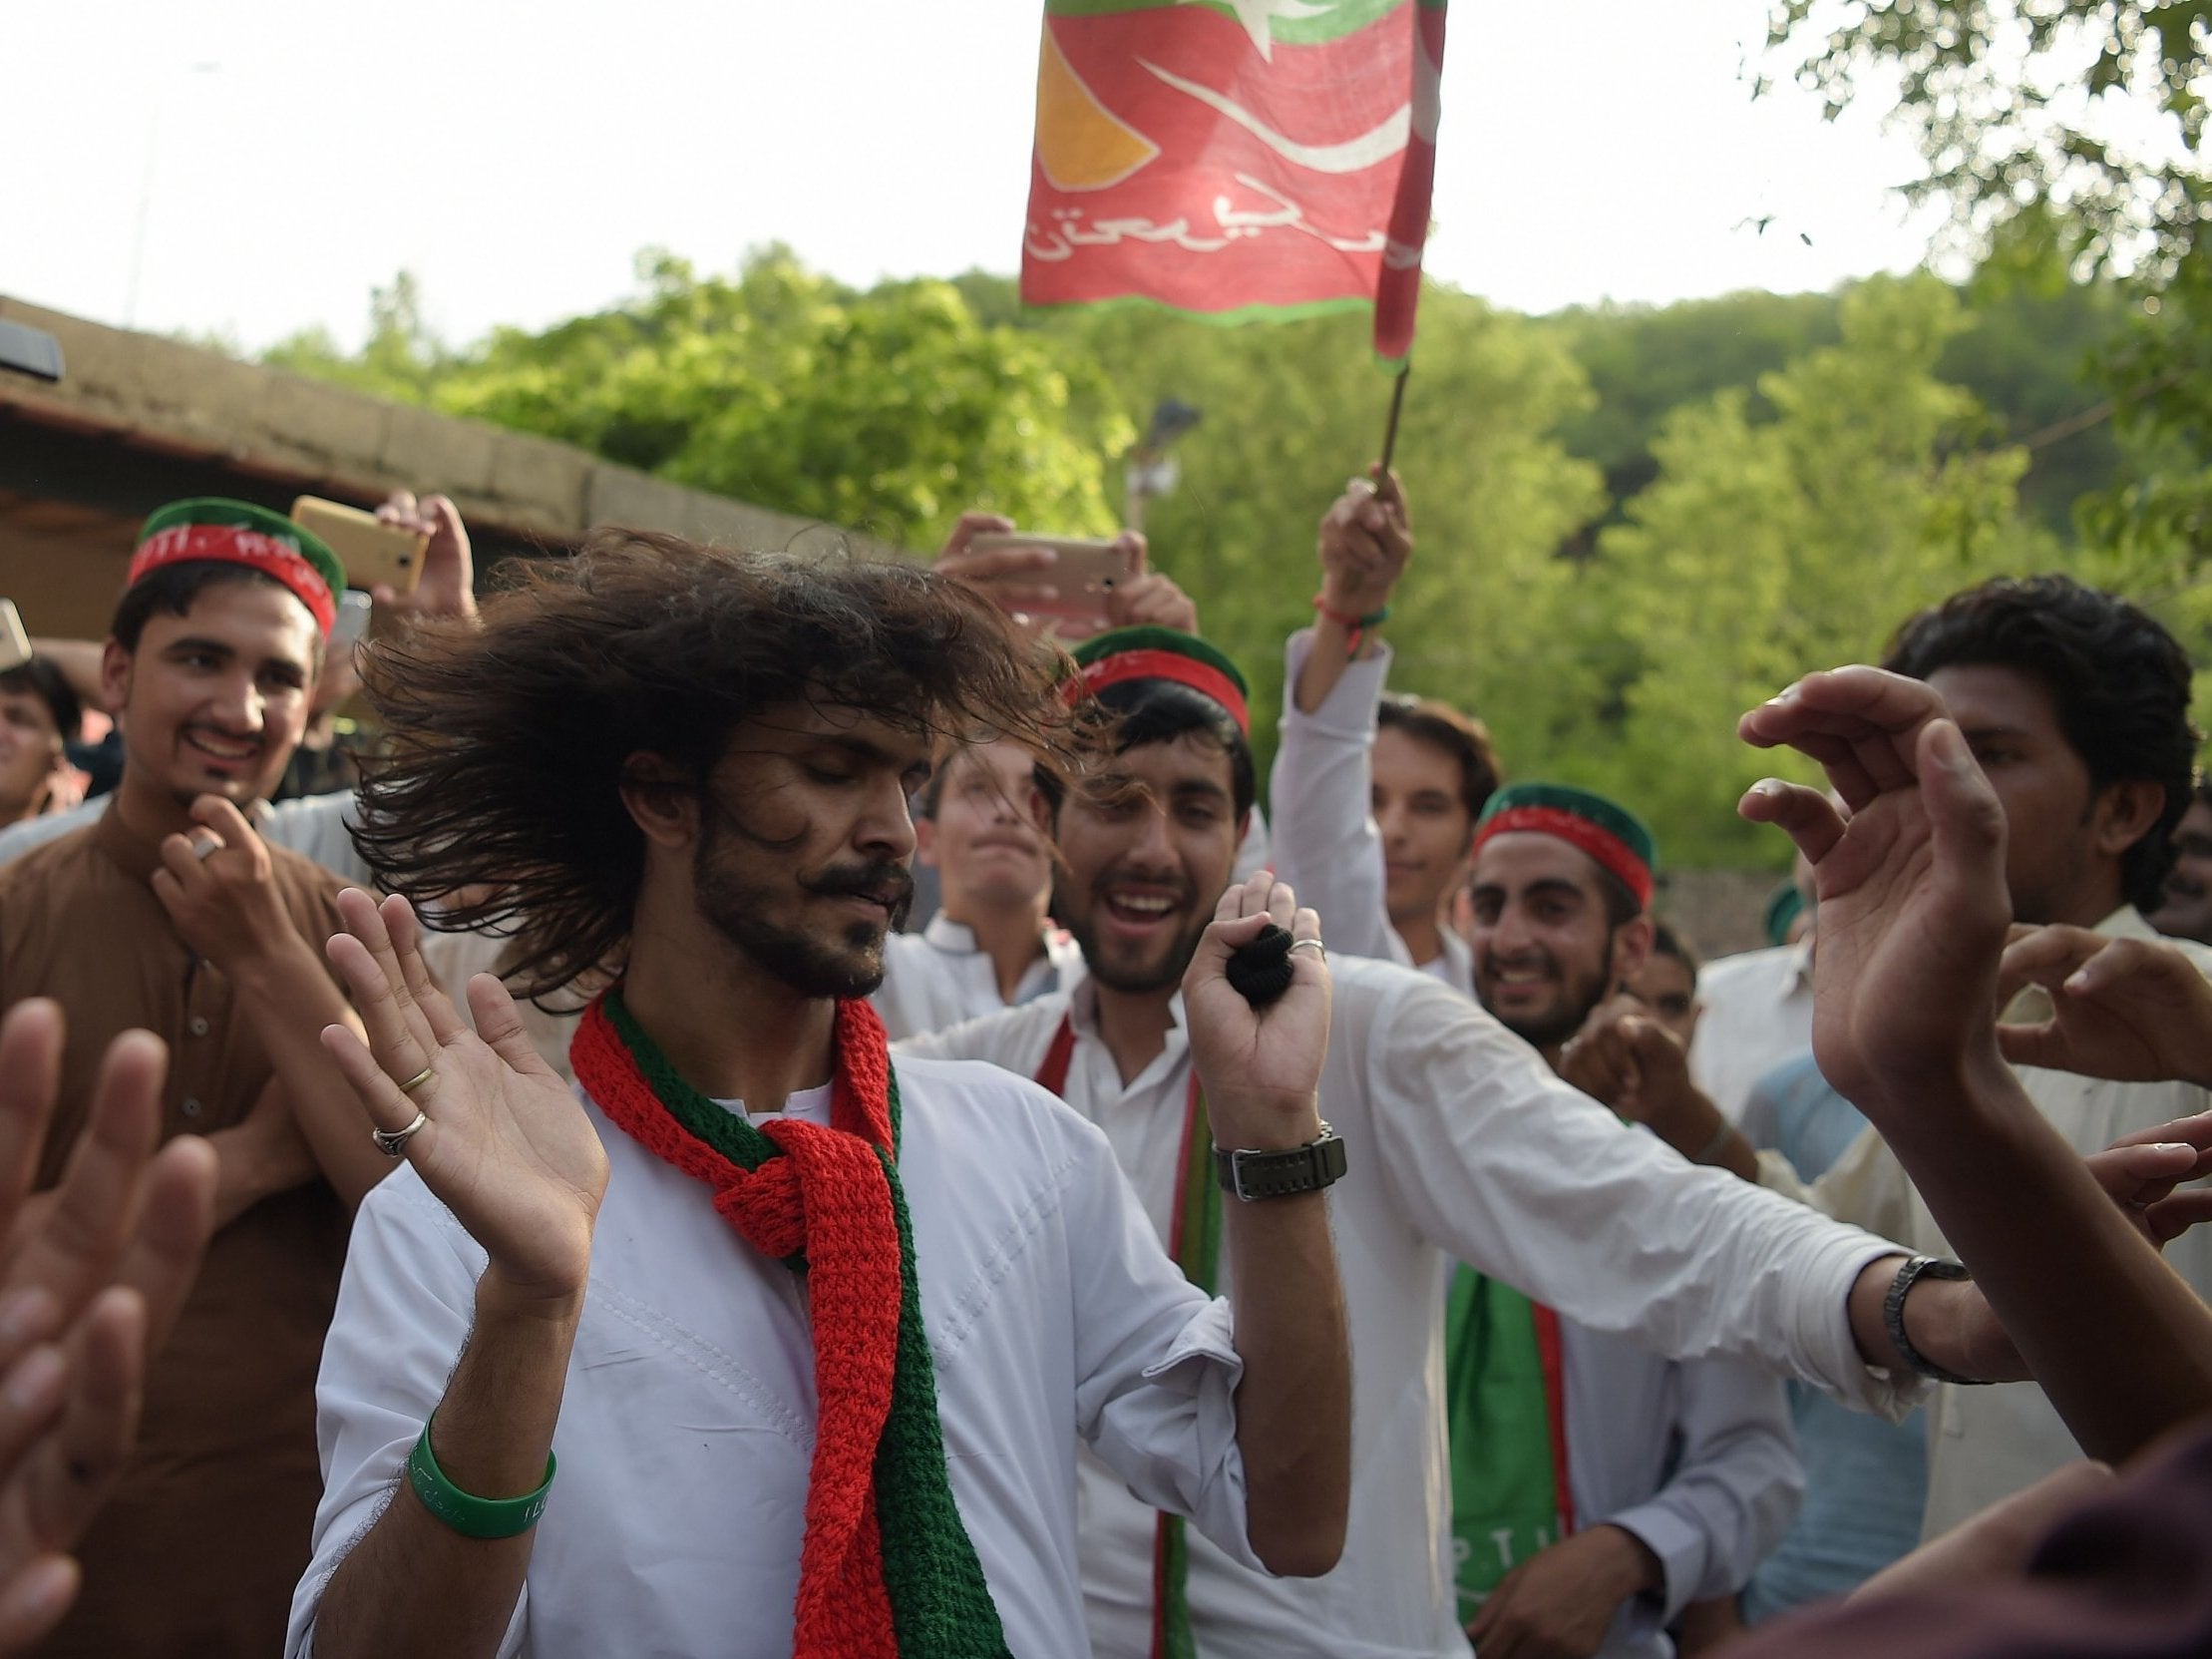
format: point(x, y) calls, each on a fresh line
point(1913, 918)
point(489, 1127)
point(91, 1281)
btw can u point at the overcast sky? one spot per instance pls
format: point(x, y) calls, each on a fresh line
point(251, 168)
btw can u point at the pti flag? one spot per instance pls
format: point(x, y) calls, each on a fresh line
point(1236, 157)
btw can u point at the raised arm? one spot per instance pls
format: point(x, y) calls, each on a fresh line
point(1365, 539)
point(507, 1147)
point(1260, 1069)
point(1912, 922)
point(1325, 842)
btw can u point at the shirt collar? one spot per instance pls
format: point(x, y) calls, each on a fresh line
point(952, 938)
point(1083, 1010)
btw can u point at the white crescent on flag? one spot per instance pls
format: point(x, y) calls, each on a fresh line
point(1257, 18)
point(1376, 145)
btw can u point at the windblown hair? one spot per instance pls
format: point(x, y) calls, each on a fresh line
point(2117, 680)
point(498, 791)
point(1463, 738)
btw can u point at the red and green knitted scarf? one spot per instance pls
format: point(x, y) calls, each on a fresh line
point(886, 1569)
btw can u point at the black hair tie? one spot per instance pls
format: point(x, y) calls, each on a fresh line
point(1261, 970)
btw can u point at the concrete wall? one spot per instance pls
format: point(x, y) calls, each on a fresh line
point(139, 420)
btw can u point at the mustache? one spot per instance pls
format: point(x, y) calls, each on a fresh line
point(888, 884)
point(208, 728)
point(1180, 886)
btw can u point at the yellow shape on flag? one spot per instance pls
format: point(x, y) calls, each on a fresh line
point(1081, 144)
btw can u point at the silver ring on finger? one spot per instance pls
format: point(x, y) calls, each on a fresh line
point(205, 845)
point(1313, 944)
point(393, 1142)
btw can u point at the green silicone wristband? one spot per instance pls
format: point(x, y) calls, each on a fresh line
point(469, 1515)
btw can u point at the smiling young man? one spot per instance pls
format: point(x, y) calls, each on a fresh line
point(168, 913)
point(1374, 795)
point(2076, 705)
point(812, 1330)
point(979, 823)
point(1462, 1145)
point(1599, 1489)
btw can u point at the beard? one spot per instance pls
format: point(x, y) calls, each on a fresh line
point(1548, 1030)
point(847, 962)
point(1131, 976)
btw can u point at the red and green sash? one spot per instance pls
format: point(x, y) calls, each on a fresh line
point(1195, 1241)
point(886, 1569)
point(1505, 1405)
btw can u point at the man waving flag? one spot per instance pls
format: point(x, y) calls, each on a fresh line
point(1236, 158)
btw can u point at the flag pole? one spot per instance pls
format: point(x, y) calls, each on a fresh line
point(1390, 432)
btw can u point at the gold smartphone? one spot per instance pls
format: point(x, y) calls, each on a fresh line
point(374, 553)
point(1084, 571)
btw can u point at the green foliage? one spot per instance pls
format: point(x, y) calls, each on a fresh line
point(1633, 523)
point(1292, 410)
point(2071, 131)
point(1646, 361)
point(1769, 547)
point(2037, 106)
point(400, 360)
point(889, 411)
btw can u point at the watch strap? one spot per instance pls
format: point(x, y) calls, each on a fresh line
point(1916, 1268)
point(1251, 1175)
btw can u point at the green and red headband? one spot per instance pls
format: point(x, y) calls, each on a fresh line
point(1611, 834)
point(239, 532)
point(1128, 654)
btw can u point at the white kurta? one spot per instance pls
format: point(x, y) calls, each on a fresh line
point(1758, 1012)
point(941, 977)
point(674, 1523)
point(1985, 1444)
point(1328, 845)
point(1462, 1144)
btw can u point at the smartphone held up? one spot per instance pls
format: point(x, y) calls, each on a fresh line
point(375, 554)
point(1070, 589)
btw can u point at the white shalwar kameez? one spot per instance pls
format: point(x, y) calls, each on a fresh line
point(1463, 1145)
point(674, 1523)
